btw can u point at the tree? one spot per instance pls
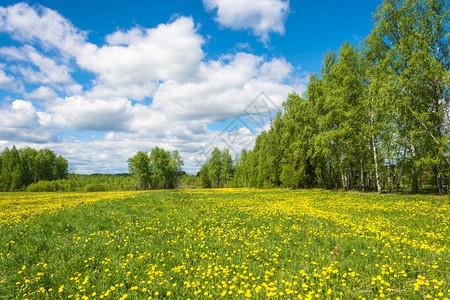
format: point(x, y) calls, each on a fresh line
point(139, 166)
point(166, 167)
point(240, 166)
point(21, 167)
point(227, 166)
point(204, 176)
point(377, 117)
point(408, 59)
point(218, 170)
point(177, 167)
point(61, 167)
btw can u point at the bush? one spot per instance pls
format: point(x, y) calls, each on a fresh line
point(96, 188)
point(44, 186)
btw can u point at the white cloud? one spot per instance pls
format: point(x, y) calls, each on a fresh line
point(42, 93)
point(133, 91)
point(21, 122)
point(21, 114)
point(41, 24)
point(12, 53)
point(80, 113)
point(225, 89)
point(8, 82)
point(262, 16)
point(50, 71)
point(168, 52)
point(5, 79)
point(31, 66)
point(127, 64)
point(164, 65)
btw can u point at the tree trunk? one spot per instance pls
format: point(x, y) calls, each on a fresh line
point(361, 161)
point(375, 156)
point(414, 173)
point(363, 183)
point(329, 174)
point(438, 178)
point(389, 172)
point(400, 173)
point(344, 176)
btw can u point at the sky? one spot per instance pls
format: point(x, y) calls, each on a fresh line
point(97, 81)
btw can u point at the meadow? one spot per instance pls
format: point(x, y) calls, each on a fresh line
point(230, 243)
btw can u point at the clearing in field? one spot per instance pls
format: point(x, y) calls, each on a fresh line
point(224, 243)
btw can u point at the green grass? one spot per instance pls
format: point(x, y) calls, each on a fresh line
point(241, 242)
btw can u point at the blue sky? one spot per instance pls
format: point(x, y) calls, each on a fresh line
point(96, 81)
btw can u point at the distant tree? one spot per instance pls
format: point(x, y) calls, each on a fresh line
point(28, 160)
point(22, 167)
point(139, 167)
point(240, 166)
point(227, 170)
point(160, 170)
point(61, 167)
point(165, 166)
point(204, 176)
point(176, 166)
point(218, 171)
point(216, 167)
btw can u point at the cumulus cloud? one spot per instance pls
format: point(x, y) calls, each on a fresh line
point(80, 113)
point(127, 64)
point(150, 87)
point(168, 52)
point(21, 122)
point(261, 17)
point(43, 25)
point(226, 88)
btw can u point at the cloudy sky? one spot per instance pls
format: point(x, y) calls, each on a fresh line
point(96, 81)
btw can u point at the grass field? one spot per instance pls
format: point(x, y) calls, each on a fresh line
point(307, 244)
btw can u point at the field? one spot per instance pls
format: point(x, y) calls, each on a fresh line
point(231, 243)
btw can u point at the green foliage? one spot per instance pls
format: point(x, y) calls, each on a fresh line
point(20, 168)
point(218, 171)
point(139, 167)
point(44, 186)
point(96, 188)
point(159, 170)
point(377, 118)
point(190, 181)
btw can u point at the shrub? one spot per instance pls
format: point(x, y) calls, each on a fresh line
point(44, 186)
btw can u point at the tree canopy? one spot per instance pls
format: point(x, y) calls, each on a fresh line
point(22, 167)
point(376, 118)
point(160, 169)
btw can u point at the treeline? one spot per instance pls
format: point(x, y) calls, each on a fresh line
point(377, 117)
point(160, 169)
point(43, 171)
point(85, 183)
point(102, 183)
point(22, 167)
